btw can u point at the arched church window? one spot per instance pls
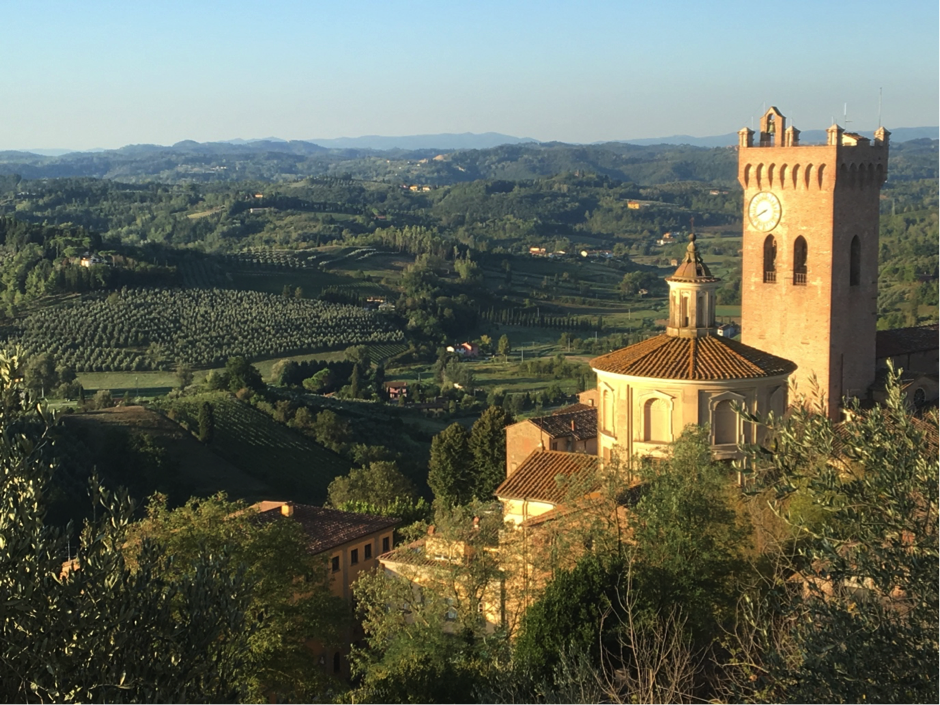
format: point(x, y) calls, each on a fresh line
point(725, 423)
point(684, 312)
point(770, 260)
point(656, 421)
point(608, 410)
point(799, 262)
point(855, 262)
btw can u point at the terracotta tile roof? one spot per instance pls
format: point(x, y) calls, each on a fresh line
point(580, 425)
point(410, 554)
point(709, 357)
point(329, 528)
point(538, 477)
point(902, 341)
point(573, 407)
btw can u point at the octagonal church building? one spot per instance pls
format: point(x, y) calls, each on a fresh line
point(649, 392)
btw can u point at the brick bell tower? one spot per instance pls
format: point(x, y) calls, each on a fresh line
point(809, 285)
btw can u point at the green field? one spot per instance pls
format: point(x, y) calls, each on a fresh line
point(281, 457)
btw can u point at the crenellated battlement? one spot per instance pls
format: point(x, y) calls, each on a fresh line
point(847, 160)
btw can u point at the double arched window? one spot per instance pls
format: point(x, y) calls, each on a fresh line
point(855, 262)
point(799, 261)
point(770, 260)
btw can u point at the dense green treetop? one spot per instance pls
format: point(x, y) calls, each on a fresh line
point(449, 468)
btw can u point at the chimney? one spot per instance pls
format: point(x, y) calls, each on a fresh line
point(287, 509)
point(572, 425)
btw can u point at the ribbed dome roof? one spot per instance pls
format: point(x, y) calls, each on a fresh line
point(705, 358)
point(692, 267)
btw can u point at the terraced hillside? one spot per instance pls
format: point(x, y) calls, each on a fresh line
point(259, 446)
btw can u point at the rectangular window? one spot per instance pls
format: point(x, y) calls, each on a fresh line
point(354, 556)
point(334, 564)
point(368, 551)
point(385, 543)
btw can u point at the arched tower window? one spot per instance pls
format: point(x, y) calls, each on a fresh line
point(725, 423)
point(799, 262)
point(770, 260)
point(656, 421)
point(855, 262)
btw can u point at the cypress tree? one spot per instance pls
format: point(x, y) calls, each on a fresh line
point(448, 474)
point(206, 422)
point(488, 446)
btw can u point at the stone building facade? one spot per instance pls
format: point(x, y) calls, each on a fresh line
point(571, 430)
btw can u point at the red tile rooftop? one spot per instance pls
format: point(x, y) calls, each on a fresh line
point(580, 424)
point(903, 341)
point(329, 528)
point(709, 357)
point(541, 477)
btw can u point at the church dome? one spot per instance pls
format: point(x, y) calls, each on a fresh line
point(698, 358)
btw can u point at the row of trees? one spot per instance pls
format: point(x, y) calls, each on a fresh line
point(134, 329)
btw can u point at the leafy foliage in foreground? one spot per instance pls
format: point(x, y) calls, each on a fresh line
point(103, 632)
point(276, 561)
point(863, 627)
point(141, 329)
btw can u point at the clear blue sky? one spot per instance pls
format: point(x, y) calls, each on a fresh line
point(104, 74)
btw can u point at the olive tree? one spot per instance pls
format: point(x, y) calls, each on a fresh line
point(93, 628)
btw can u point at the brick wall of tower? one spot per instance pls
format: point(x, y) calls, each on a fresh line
point(855, 307)
point(828, 194)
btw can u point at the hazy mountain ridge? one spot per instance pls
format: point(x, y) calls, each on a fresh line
point(447, 141)
point(271, 160)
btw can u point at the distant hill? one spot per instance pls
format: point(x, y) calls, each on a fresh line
point(448, 140)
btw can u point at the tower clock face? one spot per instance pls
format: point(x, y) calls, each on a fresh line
point(764, 211)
